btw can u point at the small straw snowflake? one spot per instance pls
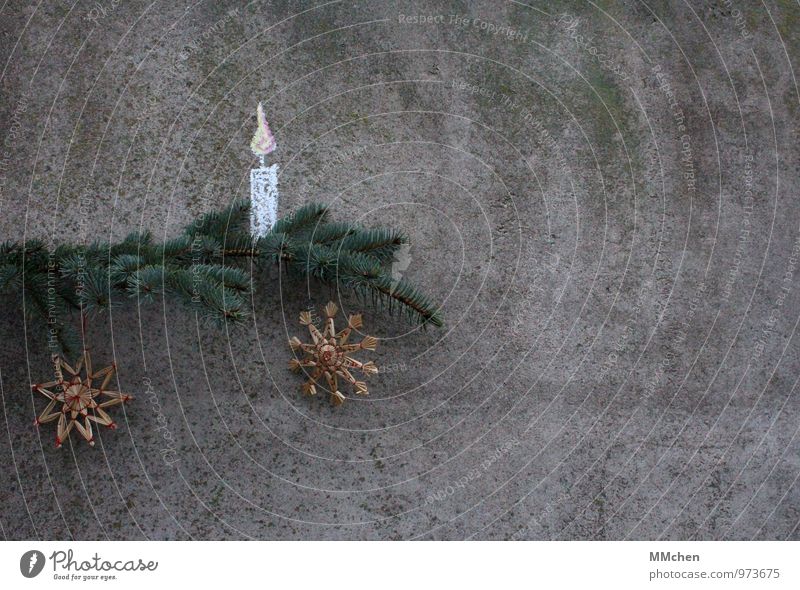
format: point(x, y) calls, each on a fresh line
point(328, 355)
point(77, 402)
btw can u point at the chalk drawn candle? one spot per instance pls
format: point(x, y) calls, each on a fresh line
point(263, 180)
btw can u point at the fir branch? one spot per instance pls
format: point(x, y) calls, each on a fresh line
point(175, 248)
point(124, 268)
point(222, 305)
point(306, 218)
point(275, 247)
point(233, 218)
point(94, 290)
point(132, 244)
point(147, 283)
point(204, 267)
point(378, 242)
point(331, 232)
point(361, 273)
point(225, 276)
point(10, 279)
point(242, 245)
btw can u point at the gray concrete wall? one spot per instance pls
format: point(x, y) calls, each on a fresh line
point(603, 197)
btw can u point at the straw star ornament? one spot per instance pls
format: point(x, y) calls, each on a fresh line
point(76, 402)
point(329, 355)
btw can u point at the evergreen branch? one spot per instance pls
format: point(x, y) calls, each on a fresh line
point(10, 279)
point(275, 247)
point(332, 232)
point(132, 244)
point(204, 267)
point(232, 219)
point(362, 274)
point(229, 277)
point(222, 305)
point(124, 268)
point(184, 284)
point(176, 247)
point(148, 283)
point(358, 272)
point(242, 245)
point(379, 242)
point(305, 219)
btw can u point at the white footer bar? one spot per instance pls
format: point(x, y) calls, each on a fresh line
point(383, 565)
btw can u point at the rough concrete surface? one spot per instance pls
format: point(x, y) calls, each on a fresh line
point(602, 196)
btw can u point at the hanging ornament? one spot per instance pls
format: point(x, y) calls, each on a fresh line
point(328, 355)
point(76, 402)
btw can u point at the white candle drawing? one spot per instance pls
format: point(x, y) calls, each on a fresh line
point(263, 180)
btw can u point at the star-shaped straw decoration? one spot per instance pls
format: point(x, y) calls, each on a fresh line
point(328, 355)
point(76, 403)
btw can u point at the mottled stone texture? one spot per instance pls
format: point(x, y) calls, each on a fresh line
point(603, 198)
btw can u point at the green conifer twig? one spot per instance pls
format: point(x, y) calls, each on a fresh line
point(203, 267)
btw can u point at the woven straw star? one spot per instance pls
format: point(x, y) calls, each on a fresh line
point(77, 403)
point(329, 355)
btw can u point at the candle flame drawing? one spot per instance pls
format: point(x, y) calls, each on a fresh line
point(263, 180)
point(263, 141)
